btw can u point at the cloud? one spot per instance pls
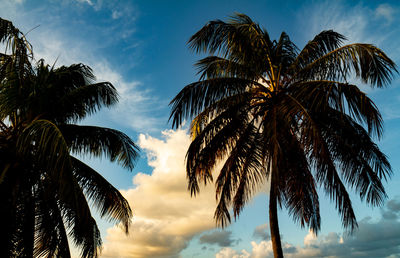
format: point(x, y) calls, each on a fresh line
point(59, 44)
point(116, 14)
point(385, 11)
point(262, 249)
point(136, 107)
point(358, 23)
point(262, 232)
point(374, 238)
point(351, 22)
point(222, 238)
point(89, 2)
point(230, 253)
point(166, 218)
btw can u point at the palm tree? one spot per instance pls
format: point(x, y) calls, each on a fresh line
point(268, 111)
point(44, 189)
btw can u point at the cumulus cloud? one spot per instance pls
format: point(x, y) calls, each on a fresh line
point(374, 238)
point(165, 216)
point(230, 253)
point(262, 249)
point(222, 238)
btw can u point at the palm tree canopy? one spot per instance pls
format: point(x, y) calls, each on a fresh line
point(43, 188)
point(266, 109)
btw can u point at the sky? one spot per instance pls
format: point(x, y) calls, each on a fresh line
point(140, 46)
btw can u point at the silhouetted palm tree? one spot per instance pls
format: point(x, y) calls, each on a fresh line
point(43, 188)
point(267, 110)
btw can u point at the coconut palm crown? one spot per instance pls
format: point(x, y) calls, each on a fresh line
point(44, 189)
point(270, 111)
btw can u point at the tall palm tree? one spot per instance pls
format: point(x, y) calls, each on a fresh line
point(269, 111)
point(44, 189)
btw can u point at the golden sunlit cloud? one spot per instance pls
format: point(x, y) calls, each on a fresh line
point(165, 216)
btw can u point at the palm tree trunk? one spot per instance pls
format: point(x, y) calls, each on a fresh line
point(273, 222)
point(273, 212)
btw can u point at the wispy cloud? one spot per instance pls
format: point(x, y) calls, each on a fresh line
point(116, 14)
point(358, 23)
point(326, 15)
point(89, 2)
point(52, 41)
point(385, 11)
point(137, 106)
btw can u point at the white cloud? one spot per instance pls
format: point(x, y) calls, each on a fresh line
point(310, 238)
point(165, 216)
point(263, 249)
point(230, 253)
point(374, 238)
point(89, 2)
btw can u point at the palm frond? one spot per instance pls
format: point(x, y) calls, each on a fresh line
point(366, 61)
point(50, 236)
point(99, 141)
point(228, 180)
point(17, 47)
point(296, 182)
point(192, 99)
point(253, 171)
point(363, 165)
point(211, 144)
point(107, 199)
point(217, 67)
point(323, 43)
point(77, 216)
point(236, 38)
point(69, 92)
point(45, 140)
point(86, 100)
point(346, 98)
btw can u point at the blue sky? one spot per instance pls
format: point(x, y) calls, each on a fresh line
point(140, 46)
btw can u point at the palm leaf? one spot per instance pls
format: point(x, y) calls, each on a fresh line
point(366, 61)
point(107, 199)
point(99, 141)
point(50, 236)
point(46, 141)
point(343, 97)
point(196, 96)
point(323, 43)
